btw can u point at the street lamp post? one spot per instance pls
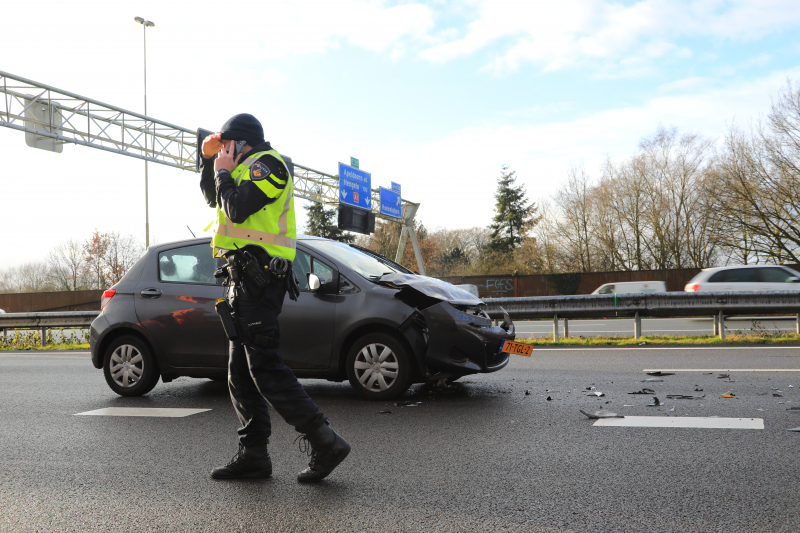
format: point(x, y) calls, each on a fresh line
point(145, 24)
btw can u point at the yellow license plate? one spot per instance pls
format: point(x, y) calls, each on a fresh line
point(517, 348)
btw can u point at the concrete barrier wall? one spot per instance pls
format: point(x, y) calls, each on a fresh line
point(508, 286)
point(51, 301)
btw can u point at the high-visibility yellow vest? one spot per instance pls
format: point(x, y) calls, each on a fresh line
point(273, 226)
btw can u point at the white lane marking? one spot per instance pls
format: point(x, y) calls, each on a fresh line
point(683, 422)
point(721, 370)
point(657, 347)
point(143, 411)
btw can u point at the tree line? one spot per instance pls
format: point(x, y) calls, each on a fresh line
point(682, 200)
point(97, 262)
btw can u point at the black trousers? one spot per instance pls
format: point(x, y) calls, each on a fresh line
point(257, 375)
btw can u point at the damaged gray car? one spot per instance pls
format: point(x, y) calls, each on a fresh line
point(360, 317)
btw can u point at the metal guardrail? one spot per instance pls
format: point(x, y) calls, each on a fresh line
point(666, 304)
point(45, 321)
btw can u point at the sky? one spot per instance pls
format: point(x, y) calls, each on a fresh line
point(436, 96)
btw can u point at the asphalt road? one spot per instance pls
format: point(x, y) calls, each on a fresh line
point(485, 456)
point(653, 326)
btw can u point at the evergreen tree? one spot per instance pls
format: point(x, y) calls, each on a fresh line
point(514, 215)
point(322, 222)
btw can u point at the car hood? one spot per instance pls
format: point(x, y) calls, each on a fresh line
point(431, 287)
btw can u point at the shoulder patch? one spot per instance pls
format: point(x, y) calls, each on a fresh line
point(259, 171)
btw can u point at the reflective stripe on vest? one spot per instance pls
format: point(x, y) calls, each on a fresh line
point(229, 235)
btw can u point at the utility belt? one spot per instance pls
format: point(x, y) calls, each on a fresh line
point(261, 270)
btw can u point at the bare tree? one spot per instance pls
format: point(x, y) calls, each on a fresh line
point(66, 265)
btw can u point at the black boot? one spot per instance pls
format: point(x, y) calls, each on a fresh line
point(328, 449)
point(251, 462)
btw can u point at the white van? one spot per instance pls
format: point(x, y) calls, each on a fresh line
point(745, 278)
point(628, 287)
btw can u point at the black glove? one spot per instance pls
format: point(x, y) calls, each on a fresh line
point(293, 286)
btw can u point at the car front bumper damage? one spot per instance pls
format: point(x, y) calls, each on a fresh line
point(462, 340)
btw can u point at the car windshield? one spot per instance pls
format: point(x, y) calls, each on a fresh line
point(365, 263)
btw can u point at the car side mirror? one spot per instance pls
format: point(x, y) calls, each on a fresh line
point(328, 287)
point(793, 279)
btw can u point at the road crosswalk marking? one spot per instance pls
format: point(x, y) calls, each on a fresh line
point(143, 411)
point(708, 422)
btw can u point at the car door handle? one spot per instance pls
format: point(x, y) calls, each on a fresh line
point(151, 293)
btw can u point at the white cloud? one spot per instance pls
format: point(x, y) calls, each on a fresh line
point(557, 35)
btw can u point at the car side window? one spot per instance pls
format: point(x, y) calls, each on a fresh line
point(323, 271)
point(774, 275)
point(302, 266)
point(742, 275)
point(609, 289)
point(189, 264)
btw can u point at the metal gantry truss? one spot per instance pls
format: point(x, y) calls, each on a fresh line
point(52, 117)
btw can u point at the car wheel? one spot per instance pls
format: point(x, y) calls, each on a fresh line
point(378, 367)
point(129, 367)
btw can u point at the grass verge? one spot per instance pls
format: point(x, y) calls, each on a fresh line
point(60, 346)
point(730, 338)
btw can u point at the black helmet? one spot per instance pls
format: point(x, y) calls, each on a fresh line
point(243, 127)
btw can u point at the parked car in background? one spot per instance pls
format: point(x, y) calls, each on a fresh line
point(745, 278)
point(627, 287)
point(2, 312)
point(370, 320)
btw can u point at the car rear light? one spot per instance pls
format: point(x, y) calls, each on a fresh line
point(693, 288)
point(107, 295)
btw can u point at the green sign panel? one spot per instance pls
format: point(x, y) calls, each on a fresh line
point(354, 162)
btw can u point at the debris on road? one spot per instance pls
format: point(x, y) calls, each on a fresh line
point(549, 399)
point(660, 373)
point(644, 390)
point(724, 375)
point(527, 393)
point(656, 402)
point(387, 412)
point(793, 429)
point(601, 414)
point(728, 394)
point(407, 403)
point(685, 397)
point(697, 389)
point(776, 395)
point(793, 408)
point(594, 392)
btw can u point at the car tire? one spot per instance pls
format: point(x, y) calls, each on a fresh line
point(379, 367)
point(130, 367)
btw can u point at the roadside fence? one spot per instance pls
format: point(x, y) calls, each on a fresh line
point(665, 304)
point(45, 321)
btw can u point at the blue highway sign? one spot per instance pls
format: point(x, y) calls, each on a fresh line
point(355, 187)
point(396, 187)
point(390, 203)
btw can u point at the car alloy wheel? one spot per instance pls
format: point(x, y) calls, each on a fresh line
point(376, 367)
point(127, 366)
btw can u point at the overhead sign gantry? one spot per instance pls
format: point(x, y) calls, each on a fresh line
point(52, 117)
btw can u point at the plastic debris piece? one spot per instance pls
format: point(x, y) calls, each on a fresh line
point(527, 393)
point(601, 414)
point(793, 429)
point(386, 412)
point(673, 408)
point(728, 394)
point(697, 389)
point(595, 392)
point(406, 403)
point(549, 398)
point(724, 375)
point(656, 402)
point(684, 397)
point(644, 390)
point(652, 380)
point(793, 408)
point(660, 373)
point(776, 395)
point(642, 343)
point(627, 406)
point(707, 373)
point(760, 409)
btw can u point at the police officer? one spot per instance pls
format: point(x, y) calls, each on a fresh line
point(252, 191)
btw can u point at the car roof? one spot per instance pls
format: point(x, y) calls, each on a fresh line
point(715, 269)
